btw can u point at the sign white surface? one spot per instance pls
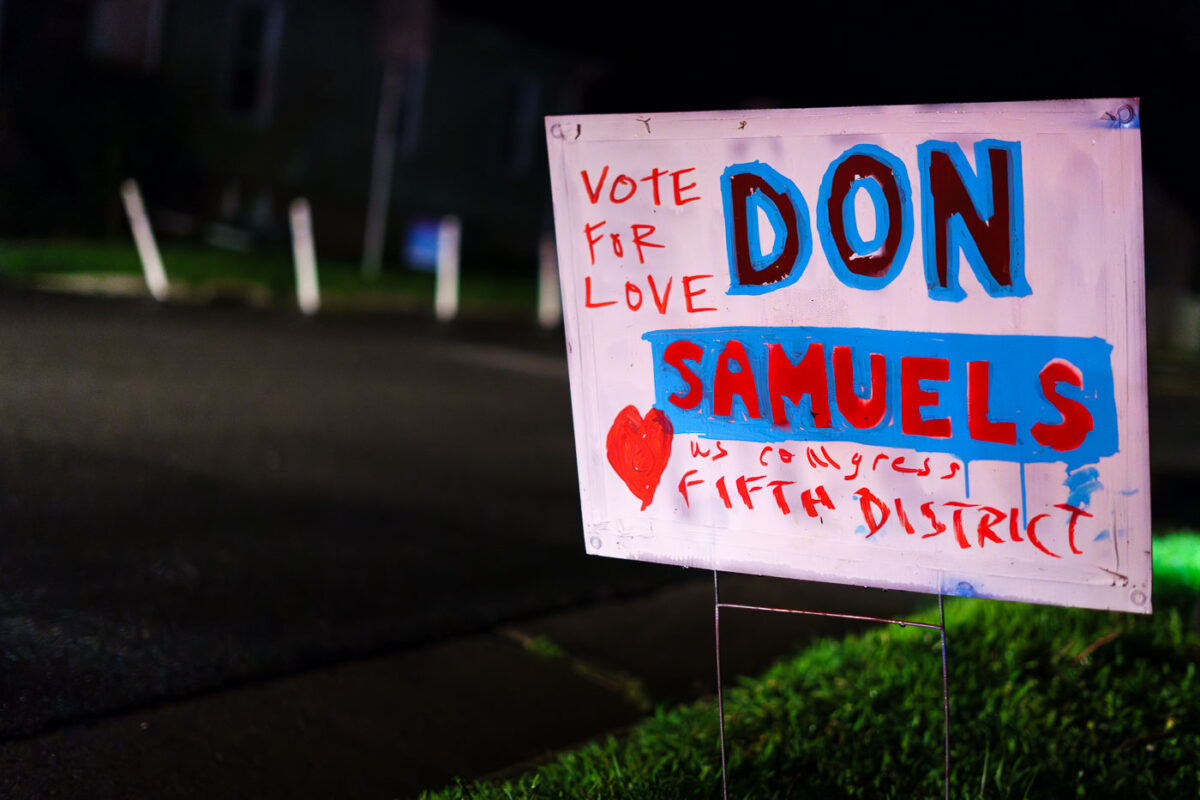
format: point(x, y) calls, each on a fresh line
point(899, 347)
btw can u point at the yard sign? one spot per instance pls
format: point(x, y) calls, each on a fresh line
point(899, 347)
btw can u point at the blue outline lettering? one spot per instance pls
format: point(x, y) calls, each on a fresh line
point(978, 184)
point(1017, 397)
point(853, 238)
point(758, 260)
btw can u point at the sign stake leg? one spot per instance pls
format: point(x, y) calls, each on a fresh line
point(941, 627)
point(720, 694)
point(945, 692)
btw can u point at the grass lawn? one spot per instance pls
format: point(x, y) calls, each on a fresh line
point(225, 272)
point(1046, 702)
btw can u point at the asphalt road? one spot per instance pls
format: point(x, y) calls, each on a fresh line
point(191, 498)
point(194, 498)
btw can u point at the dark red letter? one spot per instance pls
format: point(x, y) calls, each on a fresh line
point(856, 167)
point(741, 186)
point(866, 499)
point(859, 412)
point(978, 425)
point(793, 381)
point(1076, 419)
point(594, 196)
point(727, 383)
point(679, 190)
point(913, 370)
point(810, 504)
point(675, 354)
point(992, 237)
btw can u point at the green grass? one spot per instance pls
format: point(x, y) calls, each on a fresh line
point(225, 272)
point(1047, 702)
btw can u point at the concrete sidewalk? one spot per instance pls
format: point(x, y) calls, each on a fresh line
point(394, 725)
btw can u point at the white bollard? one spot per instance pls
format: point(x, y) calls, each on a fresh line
point(549, 309)
point(445, 297)
point(308, 292)
point(143, 237)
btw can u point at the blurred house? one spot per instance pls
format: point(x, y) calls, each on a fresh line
point(227, 109)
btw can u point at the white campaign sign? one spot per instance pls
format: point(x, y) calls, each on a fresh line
point(899, 347)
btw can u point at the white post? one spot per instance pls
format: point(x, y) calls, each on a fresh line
point(549, 298)
point(308, 292)
point(445, 298)
point(143, 237)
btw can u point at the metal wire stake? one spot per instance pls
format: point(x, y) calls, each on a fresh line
point(720, 695)
point(941, 627)
point(945, 693)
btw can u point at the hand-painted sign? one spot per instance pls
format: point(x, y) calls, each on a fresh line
point(899, 347)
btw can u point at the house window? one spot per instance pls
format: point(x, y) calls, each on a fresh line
point(256, 28)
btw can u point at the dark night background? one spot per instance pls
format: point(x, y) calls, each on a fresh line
point(224, 129)
point(208, 514)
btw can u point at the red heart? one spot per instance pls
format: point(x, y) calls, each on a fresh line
point(638, 450)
